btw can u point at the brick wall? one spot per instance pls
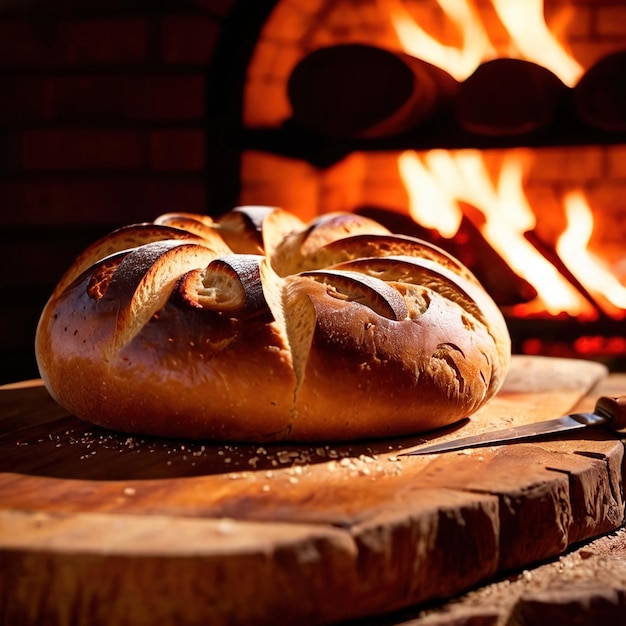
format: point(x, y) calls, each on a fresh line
point(102, 123)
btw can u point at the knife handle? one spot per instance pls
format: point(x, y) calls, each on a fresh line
point(614, 407)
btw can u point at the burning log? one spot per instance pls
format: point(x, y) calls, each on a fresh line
point(600, 95)
point(551, 255)
point(506, 287)
point(358, 91)
point(509, 97)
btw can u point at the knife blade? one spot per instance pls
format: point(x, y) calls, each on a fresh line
point(609, 412)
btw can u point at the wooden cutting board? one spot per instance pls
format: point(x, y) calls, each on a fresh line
point(101, 528)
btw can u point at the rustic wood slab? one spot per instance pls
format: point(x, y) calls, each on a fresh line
point(102, 528)
point(585, 586)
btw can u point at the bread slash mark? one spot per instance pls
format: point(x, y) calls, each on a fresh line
point(371, 292)
point(144, 280)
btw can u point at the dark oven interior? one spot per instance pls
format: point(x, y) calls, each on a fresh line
point(495, 128)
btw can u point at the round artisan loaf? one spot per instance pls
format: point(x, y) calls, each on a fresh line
point(256, 327)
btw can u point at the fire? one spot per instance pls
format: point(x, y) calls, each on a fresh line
point(458, 62)
point(445, 187)
point(426, 189)
point(609, 293)
point(529, 38)
point(525, 24)
point(440, 183)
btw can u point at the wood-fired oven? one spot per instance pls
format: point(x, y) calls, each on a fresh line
point(495, 128)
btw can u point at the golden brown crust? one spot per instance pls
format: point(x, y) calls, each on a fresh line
point(203, 329)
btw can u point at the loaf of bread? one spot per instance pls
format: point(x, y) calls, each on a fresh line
point(256, 326)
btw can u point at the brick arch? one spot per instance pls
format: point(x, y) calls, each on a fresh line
point(224, 100)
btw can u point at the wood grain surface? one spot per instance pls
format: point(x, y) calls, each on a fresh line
point(102, 528)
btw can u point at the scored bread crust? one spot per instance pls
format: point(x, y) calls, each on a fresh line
point(257, 326)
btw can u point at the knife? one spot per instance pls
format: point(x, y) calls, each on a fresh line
point(610, 412)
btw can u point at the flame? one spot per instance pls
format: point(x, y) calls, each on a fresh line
point(426, 190)
point(437, 184)
point(572, 245)
point(525, 24)
point(458, 62)
point(529, 38)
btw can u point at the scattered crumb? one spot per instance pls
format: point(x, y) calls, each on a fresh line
point(196, 458)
